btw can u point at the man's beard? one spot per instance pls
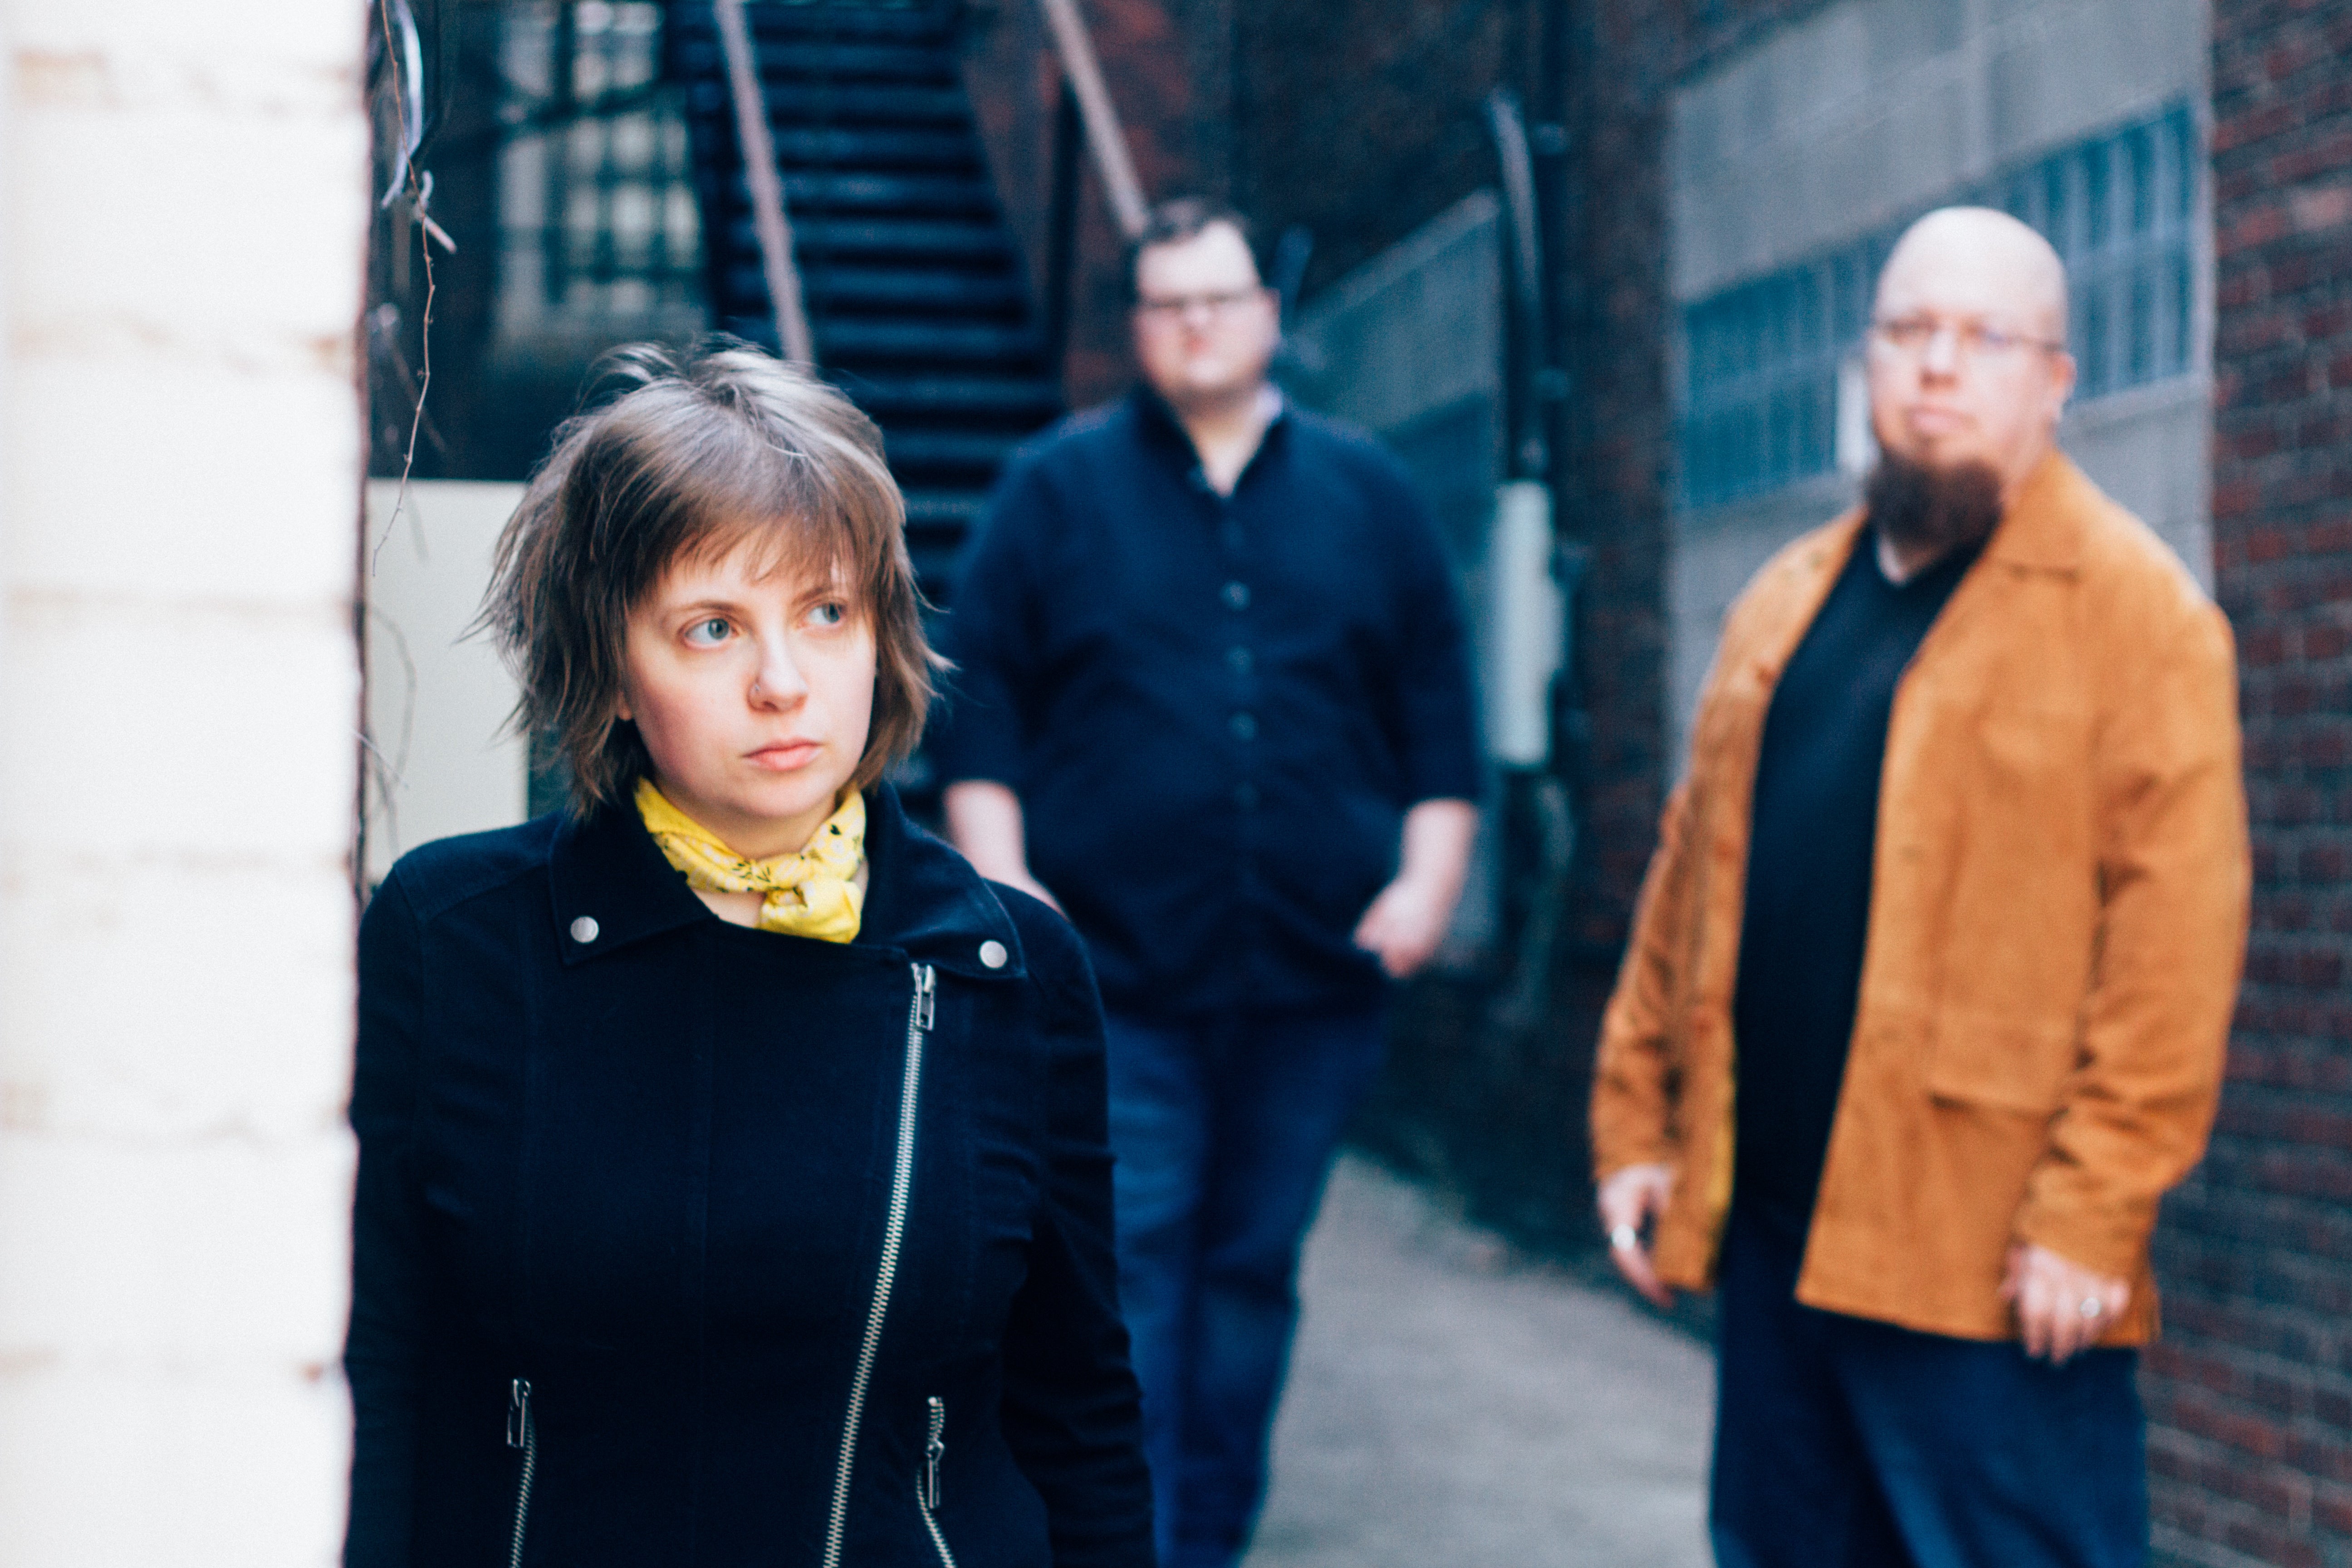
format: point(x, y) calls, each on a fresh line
point(1932, 512)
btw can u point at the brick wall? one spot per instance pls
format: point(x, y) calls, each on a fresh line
point(2251, 1390)
point(185, 196)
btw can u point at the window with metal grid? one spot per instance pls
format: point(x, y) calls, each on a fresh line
point(1762, 358)
point(599, 215)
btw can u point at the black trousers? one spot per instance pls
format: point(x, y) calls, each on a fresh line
point(1845, 1443)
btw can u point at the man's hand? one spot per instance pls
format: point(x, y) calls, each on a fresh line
point(2061, 1307)
point(1408, 918)
point(985, 822)
point(1404, 925)
point(1630, 1199)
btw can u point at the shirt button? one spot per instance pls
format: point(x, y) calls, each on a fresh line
point(992, 955)
point(1238, 660)
point(1245, 796)
point(584, 930)
point(1237, 595)
point(1244, 726)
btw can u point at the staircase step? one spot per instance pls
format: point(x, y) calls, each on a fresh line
point(930, 453)
point(901, 195)
point(778, 29)
point(916, 195)
point(935, 507)
point(1027, 400)
point(914, 241)
point(943, 509)
point(790, 23)
point(868, 291)
point(700, 59)
point(867, 147)
point(854, 342)
point(909, 107)
point(914, 284)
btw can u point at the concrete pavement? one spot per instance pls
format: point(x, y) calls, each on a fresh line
point(1451, 1407)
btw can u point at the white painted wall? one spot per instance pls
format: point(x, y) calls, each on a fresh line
point(437, 700)
point(181, 216)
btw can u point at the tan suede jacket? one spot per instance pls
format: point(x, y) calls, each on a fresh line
point(2057, 919)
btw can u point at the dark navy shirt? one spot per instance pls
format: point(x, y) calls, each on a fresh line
point(1215, 710)
point(1813, 834)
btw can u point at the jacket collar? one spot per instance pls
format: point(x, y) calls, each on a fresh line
point(2043, 529)
point(609, 883)
point(1158, 429)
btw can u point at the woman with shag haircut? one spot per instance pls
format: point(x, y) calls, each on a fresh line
point(732, 1178)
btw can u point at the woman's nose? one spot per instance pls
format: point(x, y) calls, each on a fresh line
point(777, 682)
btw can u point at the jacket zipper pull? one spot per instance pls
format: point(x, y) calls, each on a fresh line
point(933, 1448)
point(518, 1414)
point(926, 992)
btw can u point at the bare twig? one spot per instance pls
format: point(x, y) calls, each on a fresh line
point(418, 193)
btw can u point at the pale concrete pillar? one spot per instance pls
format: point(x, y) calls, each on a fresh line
point(182, 218)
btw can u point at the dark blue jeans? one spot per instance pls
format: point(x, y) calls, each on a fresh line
point(1843, 1443)
point(1225, 1130)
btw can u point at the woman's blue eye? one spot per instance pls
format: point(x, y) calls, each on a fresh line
point(707, 634)
point(829, 615)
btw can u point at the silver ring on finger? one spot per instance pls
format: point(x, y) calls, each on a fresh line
point(1625, 1239)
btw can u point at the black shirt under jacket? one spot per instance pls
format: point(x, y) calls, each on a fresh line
point(644, 1161)
point(1216, 710)
point(1813, 830)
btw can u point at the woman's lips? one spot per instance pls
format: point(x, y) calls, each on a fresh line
point(784, 755)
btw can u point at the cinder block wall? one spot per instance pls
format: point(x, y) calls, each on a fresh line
point(182, 196)
point(2251, 1390)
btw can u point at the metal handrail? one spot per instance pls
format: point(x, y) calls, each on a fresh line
point(1104, 137)
point(769, 223)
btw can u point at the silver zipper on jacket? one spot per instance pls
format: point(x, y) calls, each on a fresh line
point(522, 1433)
point(894, 1234)
point(927, 1491)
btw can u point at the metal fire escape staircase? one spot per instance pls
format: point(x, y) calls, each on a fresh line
point(912, 283)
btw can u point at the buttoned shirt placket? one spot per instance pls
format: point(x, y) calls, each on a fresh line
point(1243, 692)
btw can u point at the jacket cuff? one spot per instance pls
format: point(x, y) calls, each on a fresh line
point(2109, 1238)
point(1613, 1156)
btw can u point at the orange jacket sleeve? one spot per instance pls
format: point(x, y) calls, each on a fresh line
point(2175, 879)
point(1633, 1096)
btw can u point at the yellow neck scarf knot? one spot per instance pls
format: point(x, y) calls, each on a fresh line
point(811, 893)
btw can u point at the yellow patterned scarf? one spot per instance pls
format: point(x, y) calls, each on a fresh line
point(813, 893)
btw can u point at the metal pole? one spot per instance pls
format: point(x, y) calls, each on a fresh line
point(1103, 135)
point(767, 220)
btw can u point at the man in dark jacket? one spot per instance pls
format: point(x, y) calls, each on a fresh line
point(1214, 702)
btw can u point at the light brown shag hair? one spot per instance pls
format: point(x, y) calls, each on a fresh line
point(700, 454)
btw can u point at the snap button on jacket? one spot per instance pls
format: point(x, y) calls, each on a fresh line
point(2058, 917)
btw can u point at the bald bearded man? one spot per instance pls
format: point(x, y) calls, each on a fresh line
point(1927, 997)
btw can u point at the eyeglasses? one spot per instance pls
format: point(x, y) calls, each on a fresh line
point(1176, 307)
point(1910, 336)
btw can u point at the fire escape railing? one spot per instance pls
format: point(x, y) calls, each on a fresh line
point(768, 224)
